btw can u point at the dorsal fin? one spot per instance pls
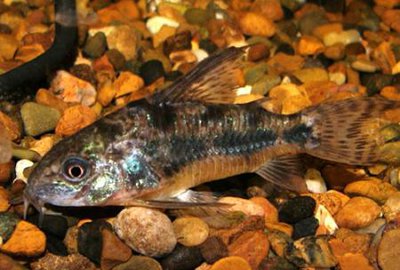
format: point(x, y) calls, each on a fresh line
point(211, 81)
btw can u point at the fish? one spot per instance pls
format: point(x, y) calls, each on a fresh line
point(153, 151)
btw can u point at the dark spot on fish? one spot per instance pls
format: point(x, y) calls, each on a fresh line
point(297, 134)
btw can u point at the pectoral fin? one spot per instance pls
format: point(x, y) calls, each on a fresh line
point(286, 172)
point(211, 81)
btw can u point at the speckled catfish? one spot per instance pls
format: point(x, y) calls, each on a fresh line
point(152, 151)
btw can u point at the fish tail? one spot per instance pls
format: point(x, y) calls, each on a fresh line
point(348, 131)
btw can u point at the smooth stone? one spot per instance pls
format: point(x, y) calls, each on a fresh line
point(354, 49)
point(255, 73)
point(4, 199)
point(264, 84)
point(10, 126)
point(26, 240)
point(182, 258)
point(247, 207)
point(8, 222)
point(375, 81)
point(116, 58)
point(364, 66)
point(305, 227)
point(373, 188)
point(124, 38)
point(8, 47)
point(114, 251)
point(348, 241)
point(311, 74)
point(20, 168)
point(151, 70)
point(310, 21)
point(388, 250)
point(314, 181)
point(127, 83)
point(270, 211)
point(38, 118)
point(257, 52)
point(155, 23)
point(70, 262)
point(311, 251)
point(6, 170)
point(190, 231)
point(196, 16)
point(139, 263)
point(47, 98)
point(71, 239)
point(213, 249)
point(277, 263)
point(344, 37)
point(7, 263)
point(178, 42)
point(391, 208)
point(44, 144)
point(358, 212)
point(231, 263)
point(296, 209)
point(146, 231)
point(255, 24)
point(96, 45)
point(354, 261)
point(90, 240)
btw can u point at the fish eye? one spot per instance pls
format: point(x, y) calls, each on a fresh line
point(75, 169)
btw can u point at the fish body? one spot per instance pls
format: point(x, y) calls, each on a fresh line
point(153, 150)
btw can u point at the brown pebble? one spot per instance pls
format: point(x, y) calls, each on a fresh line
point(253, 246)
point(213, 249)
point(258, 52)
point(354, 261)
point(47, 98)
point(74, 119)
point(359, 212)
point(255, 24)
point(4, 197)
point(114, 251)
point(347, 241)
point(5, 171)
point(13, 130)
point(70, 262)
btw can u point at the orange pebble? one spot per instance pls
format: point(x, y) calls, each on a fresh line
point(231, 263)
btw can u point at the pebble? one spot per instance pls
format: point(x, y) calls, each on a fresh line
point(296, 209)
point(7, 263)
point(139, 263)
point(124, 38)
point(352, 261)
point(258, 52)
point(90, 240)
point(72, 89)
point(190, 231)
point(306, 75)
point(5, 171)
point(116, 58)
point(231, 263)
point(311, 251)
point(84, 72)
point(270, 211)
point(142, 229)
point(213, 249)
point(106, 93)
point(26, 240)
point(20, 167)
point(127, 83)
point(253, 246)
point(38, 118)
point(8, 222)
point(255, 24)
point(373, 188)
point(390, 92)
point(182, 258)
point(335, 52)
point(348, 241)
point(96, 45)
point(326, 221)
point(358, 212)
point(344, 37)
point(114, 251)
point(5, 150)
point(374, 82)
point(8, 47)
point(52, 224)
point(70, 262)
point(309, 45)
point(74, 119)
point(280, 226)
point(4, 199)
point(178, 42)
point(388, 257)
point(247, 207)
point(43, 145)
point(305, 227)
point(11, 127)
point(279, 242)
point(151, 70)
point(364, 66)
point(155, 23)
point(314, 181)
point(47, 98)
point(265, 84)
point(71, 239)
point(391, 208)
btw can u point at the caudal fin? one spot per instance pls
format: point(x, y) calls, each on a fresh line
point(348, 131)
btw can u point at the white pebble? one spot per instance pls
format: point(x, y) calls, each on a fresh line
point(19, 169)
point(325, 218)
point(344, 37)
point(155, 23)
point(314, 181)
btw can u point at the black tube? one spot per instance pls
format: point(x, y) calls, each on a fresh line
point(23, 81)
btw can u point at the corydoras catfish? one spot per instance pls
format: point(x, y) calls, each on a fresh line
point(152, 151)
